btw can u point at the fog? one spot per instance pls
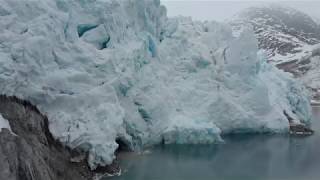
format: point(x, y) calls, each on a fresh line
point(221, 10)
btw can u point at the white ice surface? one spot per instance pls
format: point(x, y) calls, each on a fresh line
point(105, 70)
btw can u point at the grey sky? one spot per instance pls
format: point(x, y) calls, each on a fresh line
point(220, 10)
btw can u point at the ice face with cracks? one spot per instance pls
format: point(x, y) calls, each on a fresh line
point(105, 70)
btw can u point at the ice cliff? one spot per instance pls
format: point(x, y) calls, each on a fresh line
point(107, 71)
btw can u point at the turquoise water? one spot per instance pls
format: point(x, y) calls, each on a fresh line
point(241, 157)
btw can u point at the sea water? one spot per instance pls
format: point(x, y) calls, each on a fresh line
point(240, 157)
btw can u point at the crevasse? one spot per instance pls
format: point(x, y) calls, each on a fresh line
point(104, 70)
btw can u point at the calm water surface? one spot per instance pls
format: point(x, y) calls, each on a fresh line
point(242, 157)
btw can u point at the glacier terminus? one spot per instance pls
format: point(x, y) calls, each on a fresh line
point(107, 71)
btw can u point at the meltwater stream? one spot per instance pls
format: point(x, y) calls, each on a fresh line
point(241, 157)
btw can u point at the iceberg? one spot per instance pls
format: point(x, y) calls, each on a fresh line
point(107, 71)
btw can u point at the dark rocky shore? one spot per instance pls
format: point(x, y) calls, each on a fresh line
point(30, 152)
point(298, 129)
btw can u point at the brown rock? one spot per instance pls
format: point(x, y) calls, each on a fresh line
point(33, 154)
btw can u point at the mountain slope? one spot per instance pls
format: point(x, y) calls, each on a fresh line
point(317, 20)
point(289, 37)
point(286, 34)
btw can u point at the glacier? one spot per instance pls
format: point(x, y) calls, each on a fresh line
point(105, 71)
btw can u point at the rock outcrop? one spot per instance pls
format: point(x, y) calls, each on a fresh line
point(30, 152)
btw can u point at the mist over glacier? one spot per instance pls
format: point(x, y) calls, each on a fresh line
point(106, 71)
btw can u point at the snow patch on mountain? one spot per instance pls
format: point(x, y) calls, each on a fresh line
point(4, 124)
point(109, 71)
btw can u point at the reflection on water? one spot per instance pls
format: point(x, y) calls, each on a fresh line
point(242, 157)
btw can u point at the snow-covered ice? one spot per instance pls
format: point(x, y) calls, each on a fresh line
point(105, 70)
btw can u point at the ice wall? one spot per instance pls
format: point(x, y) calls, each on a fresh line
point(104, 70)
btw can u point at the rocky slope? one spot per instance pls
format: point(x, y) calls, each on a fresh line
point(28, 150)
point(289, 37)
